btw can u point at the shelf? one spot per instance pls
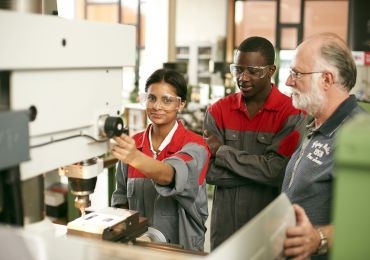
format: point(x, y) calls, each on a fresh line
point(182, 51)
point(204, 57)
point(198, 56)
point(182, 57)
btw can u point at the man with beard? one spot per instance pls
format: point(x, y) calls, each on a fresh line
point(251, 135)
point(322, 74)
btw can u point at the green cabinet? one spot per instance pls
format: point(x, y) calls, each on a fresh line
point(351, 211)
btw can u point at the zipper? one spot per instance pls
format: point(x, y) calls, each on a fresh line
point(304, 146)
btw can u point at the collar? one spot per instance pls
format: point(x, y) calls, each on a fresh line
point(339, 116)
point(164, 143)
point(272, 102)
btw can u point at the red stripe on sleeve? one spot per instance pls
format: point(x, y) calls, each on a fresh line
point(185, 157)
point(289, 144)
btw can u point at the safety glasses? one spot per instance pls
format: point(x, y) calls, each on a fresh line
point(166, 101)
point(254, 71)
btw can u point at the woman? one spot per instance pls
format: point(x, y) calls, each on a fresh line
point(161, 172)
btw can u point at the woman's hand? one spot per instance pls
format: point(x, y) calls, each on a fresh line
point(125, 149)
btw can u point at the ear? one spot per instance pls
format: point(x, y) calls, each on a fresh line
point(272, 70)
point(329, 79)
point(182, 105)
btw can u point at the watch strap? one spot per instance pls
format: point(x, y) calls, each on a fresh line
point(323, 246)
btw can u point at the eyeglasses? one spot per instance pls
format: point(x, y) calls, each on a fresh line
point(166, 102)
point(254, 71)
point(297, 75)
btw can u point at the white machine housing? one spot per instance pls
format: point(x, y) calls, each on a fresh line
point(72, 73)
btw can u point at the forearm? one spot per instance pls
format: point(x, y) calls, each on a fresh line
point(160, 172)
point(329, 229)
point(262, 168)
point(190, 165)
point(253, 156)
point(222, 177)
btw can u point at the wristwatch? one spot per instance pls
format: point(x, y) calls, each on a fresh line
point(323, 247)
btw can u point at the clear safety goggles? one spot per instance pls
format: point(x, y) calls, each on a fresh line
point(254, 71)
point(166, 101)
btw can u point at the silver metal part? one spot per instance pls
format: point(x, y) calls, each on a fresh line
point(154, 235)
point(82, 202)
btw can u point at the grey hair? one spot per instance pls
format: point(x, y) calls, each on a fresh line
point(337, 57)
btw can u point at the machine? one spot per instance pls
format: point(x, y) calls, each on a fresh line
point(60, 85)
point(60, 93)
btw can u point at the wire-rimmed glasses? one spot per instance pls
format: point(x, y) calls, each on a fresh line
point(297, 75)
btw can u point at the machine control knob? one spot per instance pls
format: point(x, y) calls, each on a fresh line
point(111, 126)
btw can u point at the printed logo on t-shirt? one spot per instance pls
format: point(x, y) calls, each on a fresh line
point(319, 151)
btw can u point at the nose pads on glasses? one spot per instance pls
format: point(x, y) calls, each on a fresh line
point(157, 104)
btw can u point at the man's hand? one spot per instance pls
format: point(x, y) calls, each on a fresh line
point(212, 141)
point(303, 239)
